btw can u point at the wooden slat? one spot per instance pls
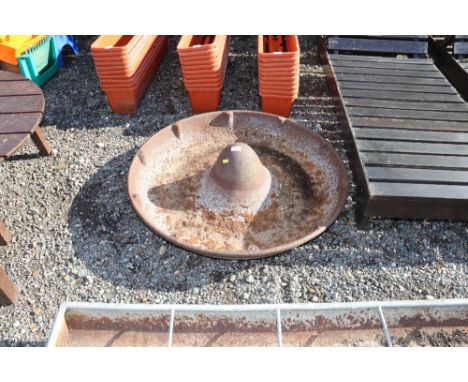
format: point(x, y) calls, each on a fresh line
point(370, 45)
point(401, 96)
point(396, 65)
point(410, 190)
point(19, 123)
point(394, 72)
point(9, 143)
point(417, 124)
point(22, 104)
point(8, 290)
point(5, 236)
point(10, 76)
point(14, 88)
point(407, 114)
point(407, 105)
point(392, 79)
point(412, 147)
point(344, 84)
point(354, 57)
point(413, 160)
point(413, 175)
point(410, 135)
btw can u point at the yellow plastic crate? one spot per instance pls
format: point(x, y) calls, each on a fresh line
point(13, 46)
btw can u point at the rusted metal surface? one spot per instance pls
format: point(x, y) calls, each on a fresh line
point(437, 326)
point(403, 323)
point(171, 185)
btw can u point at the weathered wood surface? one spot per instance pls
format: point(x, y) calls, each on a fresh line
point(408, 128)
point(368, 44)
point(21, 108)
point(8, 290)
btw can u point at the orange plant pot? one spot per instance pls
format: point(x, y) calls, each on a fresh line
point(114, 45)
point(198, 43)
point(276, 91)
point(279, 79)
point(195, 54)
point(277, 105)
point(121, 79)
point(128, 69)
point(207, 62)
point(277, 66)
point(125, 100)
point(216, 79)
point(203, 101)
point(291, 50)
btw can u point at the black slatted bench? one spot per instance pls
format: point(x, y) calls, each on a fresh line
point(451, 57)
point(405, 125)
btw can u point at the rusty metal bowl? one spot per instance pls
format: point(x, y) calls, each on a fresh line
point(306, 191)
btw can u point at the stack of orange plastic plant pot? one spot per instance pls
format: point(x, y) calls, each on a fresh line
point(203, 60)
point(125, 66)
point(278, 73)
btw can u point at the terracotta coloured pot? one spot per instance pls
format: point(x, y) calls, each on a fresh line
point(114, 44)
point(127, 70)
point(205, 60)
point(195, 54)
point(155, 54)
point(277, 105)
point(215, 78)
point(203, 101)
point(292, 47)
point(125, 100)
point(194, 43)
point(128, 58)
point(271, 90)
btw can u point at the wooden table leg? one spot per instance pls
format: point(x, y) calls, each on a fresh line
point(40, 141)
point(5, 236)
point(8, 290)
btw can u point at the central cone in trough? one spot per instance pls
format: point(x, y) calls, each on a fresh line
point(238, 181)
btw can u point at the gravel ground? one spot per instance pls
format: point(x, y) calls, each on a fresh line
point(76, 237)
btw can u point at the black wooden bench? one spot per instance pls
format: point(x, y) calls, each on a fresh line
point(405, 125)
point(451, 57)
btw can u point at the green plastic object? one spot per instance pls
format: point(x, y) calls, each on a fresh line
point(39, 63)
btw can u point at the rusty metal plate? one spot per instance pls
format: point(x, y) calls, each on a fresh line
point(308, 185)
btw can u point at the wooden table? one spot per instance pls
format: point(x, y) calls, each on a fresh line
point(21, 108)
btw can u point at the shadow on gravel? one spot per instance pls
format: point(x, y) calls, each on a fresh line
point(116, 246)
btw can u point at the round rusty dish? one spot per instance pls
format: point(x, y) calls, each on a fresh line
point(237, 184)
